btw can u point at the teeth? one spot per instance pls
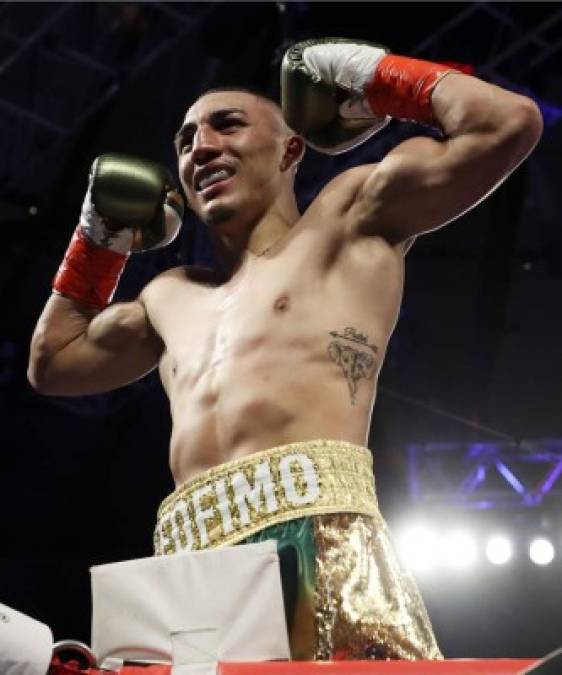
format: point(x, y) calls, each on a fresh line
point(213, 178)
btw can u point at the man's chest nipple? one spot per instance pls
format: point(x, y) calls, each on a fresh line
point(232, 328)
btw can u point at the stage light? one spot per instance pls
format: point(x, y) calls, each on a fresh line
point(458, 550)
point(499, 550)
point(417, 547)
point(541, 551)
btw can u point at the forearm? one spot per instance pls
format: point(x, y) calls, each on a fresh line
point(367, 86)
point(488, 132)
point(437, 95)
point(422, 183)
point(463, 104)
point(82, 343)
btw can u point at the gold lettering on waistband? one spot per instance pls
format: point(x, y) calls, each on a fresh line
point(246, 495)
point(203, 514)
point(223, 506)
point(301, 487)
point(182, 521)
point(228, 503)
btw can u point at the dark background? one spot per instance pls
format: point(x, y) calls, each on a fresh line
point(479, 334)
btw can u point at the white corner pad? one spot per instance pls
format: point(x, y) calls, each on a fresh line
point(191, 609)
point(26, 645)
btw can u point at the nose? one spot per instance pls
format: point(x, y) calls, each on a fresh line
point(206, 145)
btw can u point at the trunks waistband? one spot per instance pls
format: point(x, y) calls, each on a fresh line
point(227, 503)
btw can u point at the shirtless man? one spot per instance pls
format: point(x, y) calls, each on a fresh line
point(271, 364)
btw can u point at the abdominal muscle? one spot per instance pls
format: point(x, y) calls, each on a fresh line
point(287, 351)
point(258, 401)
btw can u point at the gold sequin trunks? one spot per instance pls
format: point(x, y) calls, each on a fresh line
point(345, 594)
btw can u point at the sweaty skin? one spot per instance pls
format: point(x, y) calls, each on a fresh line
point(287, 343)
point(289, 348)
point(278, 353)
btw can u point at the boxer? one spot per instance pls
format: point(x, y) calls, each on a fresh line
point(271, 361)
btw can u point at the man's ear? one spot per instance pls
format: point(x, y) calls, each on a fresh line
point(294, 152)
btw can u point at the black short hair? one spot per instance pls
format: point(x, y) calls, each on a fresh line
point(246, 89)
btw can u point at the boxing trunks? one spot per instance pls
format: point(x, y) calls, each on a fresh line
point(345, 593)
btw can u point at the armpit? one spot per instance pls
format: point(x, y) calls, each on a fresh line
point(201, 275)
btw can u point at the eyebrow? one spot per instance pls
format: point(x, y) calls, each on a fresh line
point(215, 116)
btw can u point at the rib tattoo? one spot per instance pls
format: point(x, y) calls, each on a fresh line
point(356, 363)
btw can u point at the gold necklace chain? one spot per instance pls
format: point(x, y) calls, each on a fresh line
point(265, 250)
point(268, 248)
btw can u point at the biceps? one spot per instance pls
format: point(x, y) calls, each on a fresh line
point(424, 183)
point(118, 347)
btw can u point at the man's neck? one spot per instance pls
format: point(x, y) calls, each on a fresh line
point(234, 250)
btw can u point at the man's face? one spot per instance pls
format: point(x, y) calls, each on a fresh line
point(230, 149)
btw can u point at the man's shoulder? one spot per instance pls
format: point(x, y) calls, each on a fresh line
point(342, 200)
point(184, 276)
point(351, 178)
point(345, 187)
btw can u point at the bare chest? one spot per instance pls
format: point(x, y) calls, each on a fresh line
point(260, 313)
point(277, 315)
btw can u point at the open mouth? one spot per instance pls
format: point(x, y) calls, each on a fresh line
point(209, 177)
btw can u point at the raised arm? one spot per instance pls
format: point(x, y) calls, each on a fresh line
point(76, 350)
point(423, 183)
point(82, 344)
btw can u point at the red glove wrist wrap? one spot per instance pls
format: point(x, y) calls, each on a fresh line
point(401, 87)
point(89, 273)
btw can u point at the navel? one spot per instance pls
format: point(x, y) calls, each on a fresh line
point(282, 303)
